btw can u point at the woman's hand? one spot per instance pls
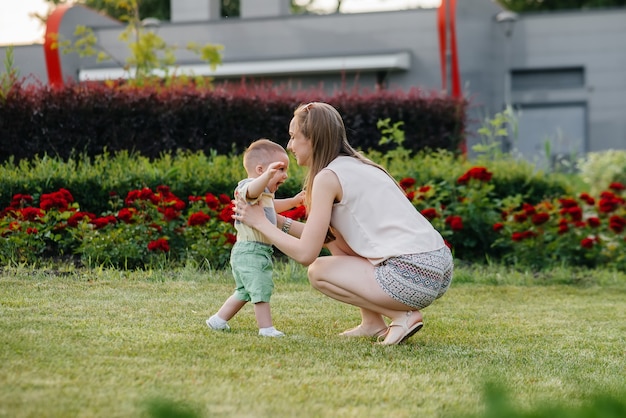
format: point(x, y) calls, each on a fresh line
point(251, 215)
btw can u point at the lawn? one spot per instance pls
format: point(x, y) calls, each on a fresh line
point(107, 343)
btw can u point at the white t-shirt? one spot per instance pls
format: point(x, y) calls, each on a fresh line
point(375, 217)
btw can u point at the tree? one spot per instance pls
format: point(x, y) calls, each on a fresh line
point(150, 56)
point(545, 5)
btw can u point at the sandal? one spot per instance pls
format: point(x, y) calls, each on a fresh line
point(409, 329)
point(358, 332)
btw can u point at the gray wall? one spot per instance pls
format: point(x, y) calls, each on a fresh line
point(523, 63)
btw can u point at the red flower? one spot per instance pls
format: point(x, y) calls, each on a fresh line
point(170, 213)
point(430, 213)
point(30, 213)
point(478, 173)
point(198, 218)
point(59, 200)
point(608, 202)
point(164, 191)
point(410, 195)
point(540, 218)
point(160, 244)
point(520, 236)
point(574, 211)
point(424, 189)
point(211, 201)
point(226, 215)
point(520, 217)
point(230, 238)
point(593, 222)
point(126, 214)
point(455, 222)
point(225, 199)
point(568, 203)
point(529, 209)
point(497, 227)
point(617, 186)
point(563, 226)
point(143, 194)
point(79, 216)
point(297, 213)
point(587, 199)
point(586, 243)
point(617, 223)
point(31, 231)
point(407, 182)
point(20, 200)
point(103, 221)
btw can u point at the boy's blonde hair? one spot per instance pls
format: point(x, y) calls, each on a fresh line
point(260, 152)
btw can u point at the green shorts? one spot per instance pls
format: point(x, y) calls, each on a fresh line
point(252, 266)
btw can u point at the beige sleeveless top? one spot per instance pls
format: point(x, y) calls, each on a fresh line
point(375, 217)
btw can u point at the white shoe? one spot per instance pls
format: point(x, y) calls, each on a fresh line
point(270, 332)
point(215, 323)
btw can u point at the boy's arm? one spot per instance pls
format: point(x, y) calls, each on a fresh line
point(258, 185)
point(281, 205)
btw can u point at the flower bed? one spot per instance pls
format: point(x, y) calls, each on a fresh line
point(149, 228)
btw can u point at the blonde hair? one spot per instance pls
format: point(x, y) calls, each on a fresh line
point(322, 124)
point(260, 152)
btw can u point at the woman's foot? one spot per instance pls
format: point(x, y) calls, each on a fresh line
point(403, 328)
point(362, 331)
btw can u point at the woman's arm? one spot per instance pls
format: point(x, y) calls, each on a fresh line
point(306, 248)
point(295, 229)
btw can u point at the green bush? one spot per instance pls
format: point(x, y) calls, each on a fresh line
point(461, 200)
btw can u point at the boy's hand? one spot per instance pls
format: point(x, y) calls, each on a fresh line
point(274, 168)
point(299, 198)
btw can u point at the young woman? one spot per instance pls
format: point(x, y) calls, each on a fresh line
point(386, 258)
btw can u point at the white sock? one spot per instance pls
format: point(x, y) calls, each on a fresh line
point(270, 332)
point(218, 321)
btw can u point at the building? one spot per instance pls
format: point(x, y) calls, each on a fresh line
point(565, 72)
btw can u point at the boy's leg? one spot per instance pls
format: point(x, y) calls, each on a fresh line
point(230, 308)
point(263, 315)
point(219, 321)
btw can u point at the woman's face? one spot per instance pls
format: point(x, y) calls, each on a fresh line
point(299, 145)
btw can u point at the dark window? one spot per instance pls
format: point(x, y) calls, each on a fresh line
point(548, 79)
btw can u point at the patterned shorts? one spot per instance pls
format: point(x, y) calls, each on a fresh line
point(416, 279)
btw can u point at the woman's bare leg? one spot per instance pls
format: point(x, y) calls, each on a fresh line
point(372, 323)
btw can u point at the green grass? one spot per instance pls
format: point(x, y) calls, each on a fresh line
point(106, 343)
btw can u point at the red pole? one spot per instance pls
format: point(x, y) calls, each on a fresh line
point(51, 50)
point(446, 21)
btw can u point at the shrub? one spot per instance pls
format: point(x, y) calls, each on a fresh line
point(597, 169)
point(91, 118)
point(571, 230)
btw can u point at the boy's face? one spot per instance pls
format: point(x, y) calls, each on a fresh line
point(281, 175)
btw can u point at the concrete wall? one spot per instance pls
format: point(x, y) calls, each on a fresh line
point(594, 41)
point(493, 56)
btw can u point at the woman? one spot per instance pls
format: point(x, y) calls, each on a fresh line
point(386, 258)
